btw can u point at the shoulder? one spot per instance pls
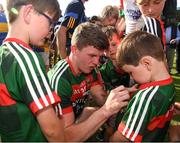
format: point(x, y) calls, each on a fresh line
point(75, 5)
point(58, 70)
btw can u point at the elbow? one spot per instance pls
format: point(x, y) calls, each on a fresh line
point(54, 135)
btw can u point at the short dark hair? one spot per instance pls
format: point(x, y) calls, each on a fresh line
point(89, 34)
point(137, 45)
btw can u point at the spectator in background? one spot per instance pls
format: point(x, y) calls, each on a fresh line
point(132, 15)
point(96, 20)
point(172, 42)
point(170, 19)
point(151, 13)
point(109, 15)
point(73, 16)
point(178, 51)
point(3, 25)
point(169, 13)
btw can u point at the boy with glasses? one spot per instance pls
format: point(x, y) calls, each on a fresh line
point(26, 101)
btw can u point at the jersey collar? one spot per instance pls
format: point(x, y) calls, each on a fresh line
point(160, 83)
point(18, 41)
point(71, 66)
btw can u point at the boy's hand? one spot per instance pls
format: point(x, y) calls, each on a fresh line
point(117, 99)
point(132, 89)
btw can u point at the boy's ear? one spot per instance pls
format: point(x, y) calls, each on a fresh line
point(27, 11)
point(146, 61)
point(73, 49)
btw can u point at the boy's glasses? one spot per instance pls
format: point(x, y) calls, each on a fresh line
point(51, 22)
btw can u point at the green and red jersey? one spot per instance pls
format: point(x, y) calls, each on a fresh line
point(149, 112)
point(24, 90)
point(72, 88)
point(113, 77)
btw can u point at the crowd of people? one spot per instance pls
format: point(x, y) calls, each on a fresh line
point(121, 59)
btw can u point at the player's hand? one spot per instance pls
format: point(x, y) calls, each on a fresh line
point(173, 41)
point(117, 99)
point(132, 89)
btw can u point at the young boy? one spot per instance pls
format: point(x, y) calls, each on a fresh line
point(26, 99)
point(109, 15)
point(150, 109)
point(112, 75)
point(151, 13)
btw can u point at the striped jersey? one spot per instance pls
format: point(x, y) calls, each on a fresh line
point(24, 90)
point(113, 77)
point(72, 88)
point(149, 112)
point(155, 27)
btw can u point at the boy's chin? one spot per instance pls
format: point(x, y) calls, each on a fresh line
point(41, 42)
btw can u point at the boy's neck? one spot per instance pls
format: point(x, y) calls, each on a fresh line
point(72, 59)
point(18, 32)
point(160, 73)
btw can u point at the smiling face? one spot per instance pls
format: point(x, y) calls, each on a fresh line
point(87, 59)
point(151, 8)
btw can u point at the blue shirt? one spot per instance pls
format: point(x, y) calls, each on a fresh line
point(73, 16)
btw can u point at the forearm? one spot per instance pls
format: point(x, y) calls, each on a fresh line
point(82, 131)
point(61, 42)
point(51, 126)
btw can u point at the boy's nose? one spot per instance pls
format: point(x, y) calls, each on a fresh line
point(150, 9)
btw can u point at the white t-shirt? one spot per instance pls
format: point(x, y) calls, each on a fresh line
point(132, 14)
